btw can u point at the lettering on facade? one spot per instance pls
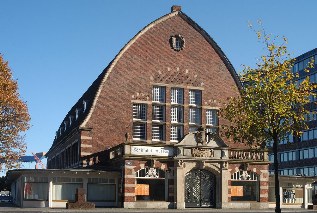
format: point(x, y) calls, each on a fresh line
point(202, 153)
point(148, 150)
point(247, 155)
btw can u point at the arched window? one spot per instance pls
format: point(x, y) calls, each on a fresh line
point(244, 175)
point(245, 186)
point(150, 184)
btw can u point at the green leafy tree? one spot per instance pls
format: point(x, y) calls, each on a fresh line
point(14, 119)
point(271, 105)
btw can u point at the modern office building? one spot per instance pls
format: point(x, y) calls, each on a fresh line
point(298, 156)
point(152, 117)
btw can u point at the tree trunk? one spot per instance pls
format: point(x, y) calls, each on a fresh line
point(277, 183)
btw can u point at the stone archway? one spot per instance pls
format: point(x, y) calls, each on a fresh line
point(200, 188)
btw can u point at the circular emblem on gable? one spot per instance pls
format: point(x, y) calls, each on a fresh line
point(177, 42)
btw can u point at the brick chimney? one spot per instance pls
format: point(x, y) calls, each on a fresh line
point(175, 8)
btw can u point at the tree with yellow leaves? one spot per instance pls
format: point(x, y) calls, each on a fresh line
point(14, 119)
point(271, 103)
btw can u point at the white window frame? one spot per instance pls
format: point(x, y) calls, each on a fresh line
point(212, 117)
point(139, 131)
point(177, 114)
point(158, 113)
point(158, 132)
point(195, 115)
point(177, 96)
point(158, 94)
point(177, 132)
point(195, 97)
point(139, 111)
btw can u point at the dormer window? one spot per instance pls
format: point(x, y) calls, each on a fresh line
point(65, 125)
point(70, 120)
point(76, 114)
point(85, 105)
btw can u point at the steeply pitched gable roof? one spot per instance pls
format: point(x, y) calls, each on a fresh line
point(93, 92)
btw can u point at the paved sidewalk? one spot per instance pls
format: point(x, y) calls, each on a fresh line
point(7, 207)
point(118, 210)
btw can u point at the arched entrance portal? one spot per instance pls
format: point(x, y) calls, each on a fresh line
point(200, 187)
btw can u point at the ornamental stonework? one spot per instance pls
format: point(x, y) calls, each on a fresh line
point(177, 76)
point(202, 153)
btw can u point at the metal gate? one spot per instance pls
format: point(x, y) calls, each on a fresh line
point(200, 189)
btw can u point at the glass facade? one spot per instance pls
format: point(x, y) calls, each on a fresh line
point(301, 158)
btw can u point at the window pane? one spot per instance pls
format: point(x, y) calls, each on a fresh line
point(195, 115)
point(36, 191)
point(195, 97)
point(177, 96)
point(305, 153)
point(176, 133)
point(311, 134)
point(301, 154)
point(305, 136)
point(101, 192)
point(311, 171)
point(139, 111)
point(306, 62)
point(306, 171)
point(150, 189)
point(300, 66)
point(158, 94)
point(210, 132)
point(290, 156)
point(65, 191)
point(158, 113)
point(211, 117)
point(290, 138)
point(311, 153)
point(139, 131)
point(158, 132)
point(177, 115)
point(295, 68)
point(249, 192)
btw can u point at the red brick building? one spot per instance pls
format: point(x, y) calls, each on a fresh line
point(152, 115)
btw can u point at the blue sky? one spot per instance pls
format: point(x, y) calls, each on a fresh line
point(57, 48)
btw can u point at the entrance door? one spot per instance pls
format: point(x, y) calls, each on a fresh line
point(200, 189)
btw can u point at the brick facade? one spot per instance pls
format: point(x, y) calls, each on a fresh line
point(104, 129)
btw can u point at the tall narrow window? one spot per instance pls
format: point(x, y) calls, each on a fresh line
point(195, 97)
point(195, 116)
point(158, 132)
point(210, 132)
point(177, 96)
point(70, 120)
point(65, 126)
point(139, 112)
point(158, 113)
point(139, 131)
point(84, 106)
point(76, 114)
point(177, 133)
point(177, 114)
point(158, 94)
point(211, 117)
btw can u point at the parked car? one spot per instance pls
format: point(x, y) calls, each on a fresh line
point(5, 198)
